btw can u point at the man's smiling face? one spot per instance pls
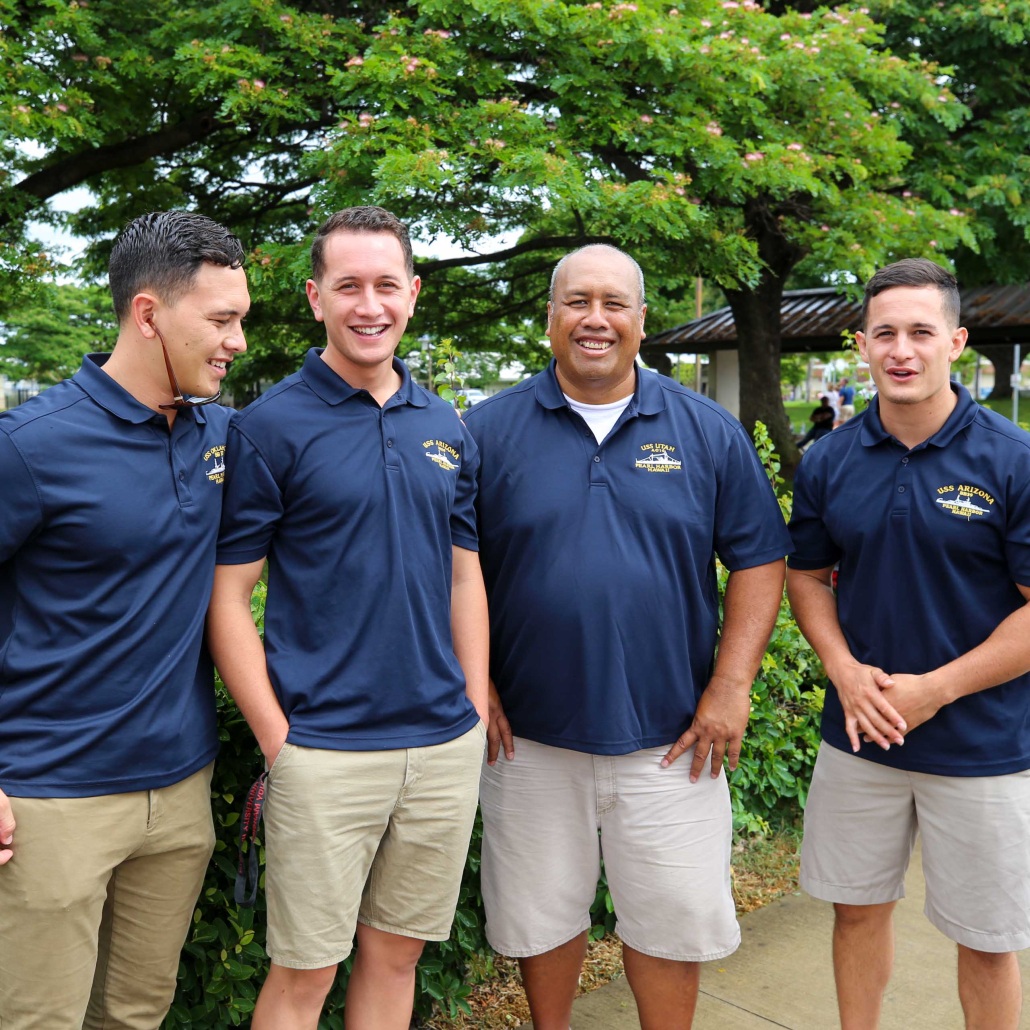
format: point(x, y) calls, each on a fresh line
point(365, 299)
point(595, 324)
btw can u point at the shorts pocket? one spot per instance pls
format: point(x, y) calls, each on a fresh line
point(280, 760)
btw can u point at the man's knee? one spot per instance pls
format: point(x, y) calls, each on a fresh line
point(306, 987)
point(389, 954)
point(988, 961)
point(862, 917)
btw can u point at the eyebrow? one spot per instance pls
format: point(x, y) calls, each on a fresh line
point(348, 277)
point(609, 295)
point(911, 325)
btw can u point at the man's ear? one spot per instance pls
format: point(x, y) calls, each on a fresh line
point(141, 311)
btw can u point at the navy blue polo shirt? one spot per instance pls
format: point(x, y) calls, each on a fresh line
point(108, 527)
point(356, 507)
point(931, 543)
point(599, 558)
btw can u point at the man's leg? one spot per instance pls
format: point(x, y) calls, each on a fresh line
point(863, 955)
point(292, 999)
point(551, 980)
point(990, 989)
point(52, 896)
point(860, 828)
point(666, 845)
point(412, 888)
point(665, 990)
point(150, 901)
point(381, 989)
point(541, 863)
point(976, 862)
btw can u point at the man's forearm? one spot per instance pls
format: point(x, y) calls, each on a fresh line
point(240, 658)
point(470, 628)
point(750, 607)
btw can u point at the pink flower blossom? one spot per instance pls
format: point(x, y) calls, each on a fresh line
point(646, 119)
point(754, 155)
point(355, 62)
point(714, 128)
point(794, 146)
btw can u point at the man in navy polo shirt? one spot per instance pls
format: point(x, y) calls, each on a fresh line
point(112, 491)
point(605, 493)
point(924, 501)
point(358, 486)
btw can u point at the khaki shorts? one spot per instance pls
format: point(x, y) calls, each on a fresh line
point(375, 836)
point(861, 823)
point(96, 904)
point(665, 842)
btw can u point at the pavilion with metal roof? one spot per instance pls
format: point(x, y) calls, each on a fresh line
point(815, 321)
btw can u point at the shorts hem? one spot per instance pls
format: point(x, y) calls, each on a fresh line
point(403, 931)
point(673, 956)
point(299, 963)
point(978, 940)
point(842, 894)
point(531, 950)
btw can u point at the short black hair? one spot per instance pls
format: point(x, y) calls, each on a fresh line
point(370, 219)
point(163, 251)
point(916, 272)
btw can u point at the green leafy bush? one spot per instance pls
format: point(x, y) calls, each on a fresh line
point(779, 751)
point(224, 961)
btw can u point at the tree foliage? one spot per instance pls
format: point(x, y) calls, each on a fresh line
point(45, 337)
point(720, 138)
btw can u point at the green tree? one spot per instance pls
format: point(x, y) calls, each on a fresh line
point(983, 166)
point(723, 139)
point(45, 339)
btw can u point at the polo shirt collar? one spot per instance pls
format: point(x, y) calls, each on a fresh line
point(333, 389)
point(648, 398)
point(113, 397)
point(963, 413)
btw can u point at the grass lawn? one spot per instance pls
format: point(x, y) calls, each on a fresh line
point(799, 411)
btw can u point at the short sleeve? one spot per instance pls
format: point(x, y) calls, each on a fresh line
point(21, 513)
point(749, 526)
point(813, 547)
point(463, 515)
point(252, 505)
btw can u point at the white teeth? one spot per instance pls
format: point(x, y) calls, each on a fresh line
point(219, 364)
point(594, 344)
point(369, 330)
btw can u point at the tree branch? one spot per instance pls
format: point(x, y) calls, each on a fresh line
point(527, 246)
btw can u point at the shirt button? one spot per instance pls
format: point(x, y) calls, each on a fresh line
point(904, 461)
point(901, 489)
point(389, 443)
point(597, 457)
point(182, 477)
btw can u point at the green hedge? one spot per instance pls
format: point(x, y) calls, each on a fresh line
point(224, 961)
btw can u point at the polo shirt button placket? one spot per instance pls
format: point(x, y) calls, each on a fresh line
point(902, 482)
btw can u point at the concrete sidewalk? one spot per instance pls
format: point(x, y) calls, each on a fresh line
point(782, 976)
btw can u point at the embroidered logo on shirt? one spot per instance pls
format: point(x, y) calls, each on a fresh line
point(215, 459)
point(441, 453)
point(659, 458)
point(965, 501)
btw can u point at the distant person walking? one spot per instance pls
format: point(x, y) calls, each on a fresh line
point(847, 401)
